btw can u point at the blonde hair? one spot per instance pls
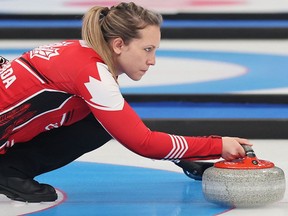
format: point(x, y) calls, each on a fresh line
point(101, 24)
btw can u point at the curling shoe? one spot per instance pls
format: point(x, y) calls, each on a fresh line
point(26, 190)
point(194, 169)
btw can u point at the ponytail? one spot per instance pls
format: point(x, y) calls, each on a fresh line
point(92, 34)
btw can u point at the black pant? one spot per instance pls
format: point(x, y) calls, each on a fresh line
point(53, 149)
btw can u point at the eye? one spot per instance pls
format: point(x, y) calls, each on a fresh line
point(148, 49)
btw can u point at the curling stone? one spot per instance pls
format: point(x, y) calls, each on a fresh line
point(244, 183)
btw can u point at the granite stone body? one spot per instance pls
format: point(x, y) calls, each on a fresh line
point(243, 187)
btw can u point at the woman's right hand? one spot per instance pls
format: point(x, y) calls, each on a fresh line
point(232, 149)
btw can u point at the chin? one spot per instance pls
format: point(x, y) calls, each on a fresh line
point(136, 78)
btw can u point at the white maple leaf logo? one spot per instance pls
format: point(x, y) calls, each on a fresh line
point(47, 51)
point(105, 92)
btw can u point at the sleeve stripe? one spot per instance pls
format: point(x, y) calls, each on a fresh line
point(180, 147)
point(184, 148)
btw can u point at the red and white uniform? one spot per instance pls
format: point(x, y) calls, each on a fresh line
point(59, 84)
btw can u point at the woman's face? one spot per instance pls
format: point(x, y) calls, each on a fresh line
point(135, 58)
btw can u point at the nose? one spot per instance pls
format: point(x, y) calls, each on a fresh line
point(151, 60)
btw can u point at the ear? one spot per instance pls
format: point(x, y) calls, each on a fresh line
point(117, 45)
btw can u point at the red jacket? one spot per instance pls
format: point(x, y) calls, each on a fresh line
point(58, 84)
